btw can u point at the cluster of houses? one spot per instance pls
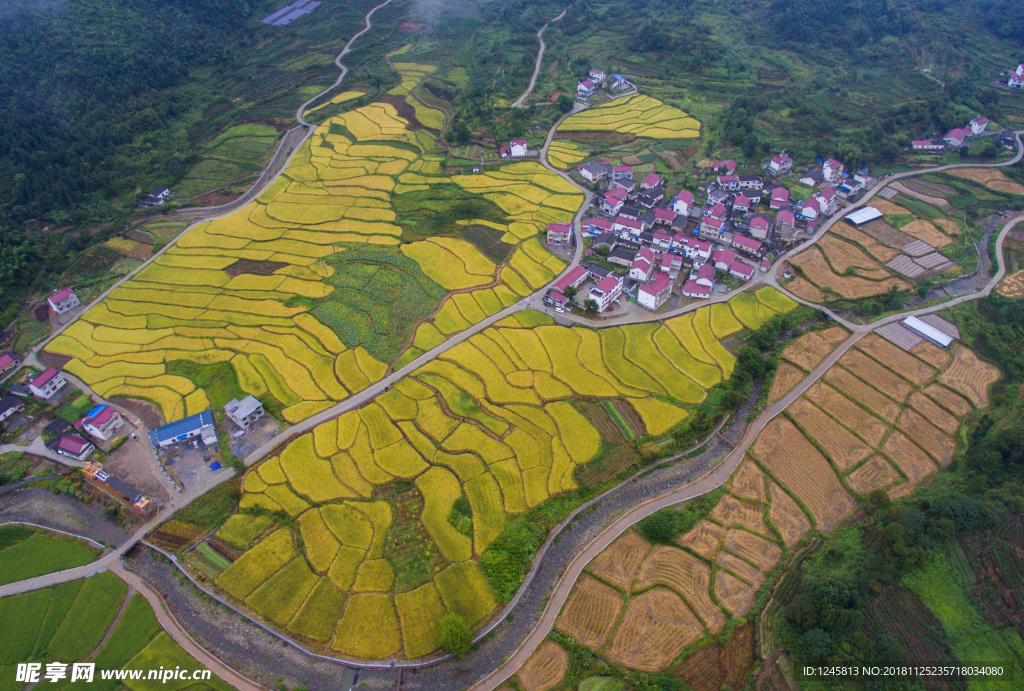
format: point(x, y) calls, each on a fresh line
point(589, 86)
point(962, 137)
point(742, 220)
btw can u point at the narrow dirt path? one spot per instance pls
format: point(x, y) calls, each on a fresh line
point(540, 58)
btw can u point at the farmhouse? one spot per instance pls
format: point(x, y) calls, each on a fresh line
point(723, 259)
point(748, 245)
point(718, 212)
point(517, 148)
point(653, 295)
point(102, 422)
point(751, 182)
point(244, 413)
point(63, 301)
point(741, 202)
point(594, 171)
point(927, 145)
point(612, 201)
point(978, 125)
point(812, 178)
point(728, 182)
point(741, 270)
point(827, 202)
point(7, 363)
point(661, 240)
point(728, 165)
point(642, 266)
point(621, 256)
point(156, 198)
point(559, 233)
point(73, 446)
point(1016, 80)
point(703, 275)
point(628, 225)
point(692, 289)
point(199, 425)
point(597, 75)
point(664, 217)
point(957, 137)
point(46, 384)
point(696, 249)
point(586, 88)
point(786, 223)
point(576, 276)
point(599, 226)
point(760, 225)
point(711, 227)
point(650, 181)
point(622, 172)
point(780, 197)
point(780, 164)
point(683, 202)
point(831, 170)
point(808, 208)
point(671, 263)
point(605, 292)
point(9, 405)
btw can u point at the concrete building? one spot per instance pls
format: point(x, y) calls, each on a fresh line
point(47, 383)
point(244, 413)
point(199, 425)
point(63, 301)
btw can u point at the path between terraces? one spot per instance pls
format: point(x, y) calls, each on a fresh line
point(540, 57)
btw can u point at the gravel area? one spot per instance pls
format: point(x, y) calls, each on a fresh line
point(263, 657)
point(60, 511)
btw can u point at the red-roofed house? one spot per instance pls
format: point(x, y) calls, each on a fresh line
point(728, 182)
point(692, 289)
point(650, 181)
point(741, 270)
point(718, 211)
point(683, 202)
point(704, 275)
point(63, 301)
point(517, 148)
point(662, 240)
point(629, 225)
point(664, 216)
point(605, 292)
point(671, 262)
point(1016, 80)
point(103, 421)
point(741, 202)
point(828, 202)
point(978, 125)
point(808, 208)
point(956, 136)
point(599, 225)
point(559, 233)
point(780, 197)
point(832, 169)
point(47, 383)
point(722, 259)
point(728, 165)
point(765, 265)
point(748, 245)
point(697, 249)
point(643, 265)
point(711, 227)
point(504, 151)
point(653, 295)
point(586, 88)
point(622, 172)
point(786, 223)
point(780, 164)
point(556, 298)
point(612, 201)
point(73, 446)
point(7, 363)
point(759, 226)
point(927, 145)
point(573, 279)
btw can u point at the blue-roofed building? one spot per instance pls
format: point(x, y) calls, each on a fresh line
point(200, 425)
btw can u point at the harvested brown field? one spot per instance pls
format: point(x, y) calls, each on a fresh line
point(933, 413)
point(786, 377)
point(803, 288)
point(970, 376)
point(702, 670)
point(704, 538)
point(735, 595)
point(818, 272)
point(869, 427)
point(888, 208)
point(947, 225)
point(955, 404)
point(900, 490)
point(992, 178)
point(748, 482)
point(874, 474)
point(688, 576)
point(896, 359)
point(798, 465)
point(872, 246)
point(834, 334)
point(845, 449)
point(656, 627)
point(809, 350)
point(843, 255)
point(758, 551)
point(590, 612)
point(787, 516)
point(1013, 285)
point(739, 567)
point(878, 403)
point(923, 230)
point(617, 564)
point(931, 353)
point(545, 668)
point(914, 462)
point(732, 511)
point(926, 435)
point(875, 374)
point(886, 234)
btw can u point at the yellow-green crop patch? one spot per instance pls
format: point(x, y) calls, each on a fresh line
point(640, 115)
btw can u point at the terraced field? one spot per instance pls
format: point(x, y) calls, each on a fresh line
point(638, 115)
point(307, 293)
point(806, 469)
point(386, 512)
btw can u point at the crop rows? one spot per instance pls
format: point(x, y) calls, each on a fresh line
point(639, 115)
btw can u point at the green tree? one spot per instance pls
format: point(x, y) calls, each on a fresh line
point(564, 103)
point(570, 292)
point(659, 527)
point(591, 305)
point(456, 636)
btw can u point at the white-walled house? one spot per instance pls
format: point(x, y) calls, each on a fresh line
point(517, 148)
point(653, 295)
point(683, 202)
point(605, 292)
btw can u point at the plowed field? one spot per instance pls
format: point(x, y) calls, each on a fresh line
point(874, 474)
point(590, 612)
point(656, 627)
point(795, 462)
point(923, 230)
point(688, 576)
point(842, 446)
point(970, 376)
point(803, 288)
point(739, 567)
point(869, 427)
point(876, 249)
point(618, 563)
point(1013, 285)
point(818, 272)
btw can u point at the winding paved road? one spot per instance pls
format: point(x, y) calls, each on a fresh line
point(540, 57)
